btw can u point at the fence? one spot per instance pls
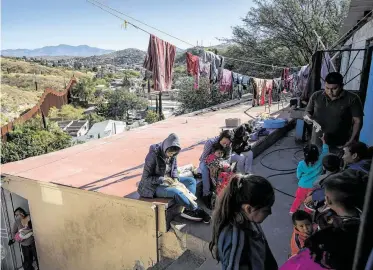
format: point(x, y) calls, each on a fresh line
point(49, 99)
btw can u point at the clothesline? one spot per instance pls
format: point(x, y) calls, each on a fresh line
point(101, 5)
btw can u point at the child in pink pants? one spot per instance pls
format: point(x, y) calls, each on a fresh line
point(308, 171)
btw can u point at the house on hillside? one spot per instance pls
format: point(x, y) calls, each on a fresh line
point(74, 128)
point(356, 59)
point(103, 129)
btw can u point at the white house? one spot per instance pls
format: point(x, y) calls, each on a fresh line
point(103, 129)
point(76, 128)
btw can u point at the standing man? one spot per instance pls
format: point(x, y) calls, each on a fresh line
point(337, 112)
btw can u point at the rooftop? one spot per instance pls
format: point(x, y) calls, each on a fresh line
point(113, 165)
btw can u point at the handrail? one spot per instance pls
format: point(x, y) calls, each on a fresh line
point(50, 98)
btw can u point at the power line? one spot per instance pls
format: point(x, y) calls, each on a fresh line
point(101, 5)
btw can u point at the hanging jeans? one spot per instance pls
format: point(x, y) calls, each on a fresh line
point(206, 185)
point(244, 162)
point(177, 195)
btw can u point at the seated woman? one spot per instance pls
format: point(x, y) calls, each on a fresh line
point(220, 170)
point(224, 139)
point(160, 178)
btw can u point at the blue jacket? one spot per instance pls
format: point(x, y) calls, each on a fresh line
point(231, 246)
point(155, 166)
point(309, 174)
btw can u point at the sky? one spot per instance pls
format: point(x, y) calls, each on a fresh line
point(30, 24)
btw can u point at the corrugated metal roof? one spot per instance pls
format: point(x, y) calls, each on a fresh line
point(355, 13)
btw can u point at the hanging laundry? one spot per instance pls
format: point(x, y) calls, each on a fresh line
point(266, 92)
point(234, 77)
point(217, 64)
point(326, 67)
point(160, 59)
point(245, 80)
point(303, 76)
point(285, 78)
point(226, 81)
point(258, 85)
point(193, 67)
point(204, 69)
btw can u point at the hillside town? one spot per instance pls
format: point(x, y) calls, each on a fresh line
point(254, 152)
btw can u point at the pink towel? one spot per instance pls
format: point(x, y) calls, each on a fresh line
point(160, 60)
point(226, 81)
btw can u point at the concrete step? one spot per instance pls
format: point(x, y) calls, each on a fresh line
point(187, 261)
point(162, 265)
point(210, 264)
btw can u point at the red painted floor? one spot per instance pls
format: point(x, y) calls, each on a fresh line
point(114, 165)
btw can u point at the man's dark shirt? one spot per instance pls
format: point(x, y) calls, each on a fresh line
point(335, 116)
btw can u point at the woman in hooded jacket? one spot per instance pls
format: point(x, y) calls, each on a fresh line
point(160, 179)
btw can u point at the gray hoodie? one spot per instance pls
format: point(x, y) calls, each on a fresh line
point(155, 166)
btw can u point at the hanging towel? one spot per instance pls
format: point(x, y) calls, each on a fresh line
point(193, 67)
point(217, 64)
point(226, 81)
point(160, 59)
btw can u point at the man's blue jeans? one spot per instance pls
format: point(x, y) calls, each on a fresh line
point(177, 195)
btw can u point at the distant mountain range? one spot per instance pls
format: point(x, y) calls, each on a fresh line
point(60, 50)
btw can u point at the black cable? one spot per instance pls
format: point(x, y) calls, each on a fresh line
point(283, 171)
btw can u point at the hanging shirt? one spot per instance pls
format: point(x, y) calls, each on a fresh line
point(193, 67)
point(303, 78)
point(204, 69)
point(226, 81)
point(160, 59)
point(217, 64)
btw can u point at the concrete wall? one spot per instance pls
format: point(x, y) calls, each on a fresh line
point(76, 229)
point(357, 41)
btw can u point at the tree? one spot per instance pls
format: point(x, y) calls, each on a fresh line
point(67, 112)
point(84, 90)
point(77, 65)
point(94, 69)
point(120, 102)
point(197, 99)
point(282, 32)
point(30, 139)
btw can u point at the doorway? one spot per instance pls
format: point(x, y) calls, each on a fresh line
point(12, 256)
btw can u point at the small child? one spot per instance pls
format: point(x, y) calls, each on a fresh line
point(303, 228)
point(315, 199)
point(308, 171)
point(220, 170)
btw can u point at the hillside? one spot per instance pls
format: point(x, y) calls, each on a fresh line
point(60, 50)
point(18, 91)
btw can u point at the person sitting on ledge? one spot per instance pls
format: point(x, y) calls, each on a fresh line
point(160, 179)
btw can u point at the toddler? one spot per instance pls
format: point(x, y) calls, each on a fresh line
point(303, 229)
point(308, 171)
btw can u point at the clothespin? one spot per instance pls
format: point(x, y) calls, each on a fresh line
point(124, 25)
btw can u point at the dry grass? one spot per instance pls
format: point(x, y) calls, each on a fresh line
point(14, 101)
point(18, 91)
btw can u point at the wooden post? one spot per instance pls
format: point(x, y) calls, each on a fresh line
point(160, 106)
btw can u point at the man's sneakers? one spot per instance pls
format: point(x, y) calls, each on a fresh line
point(196, 215)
